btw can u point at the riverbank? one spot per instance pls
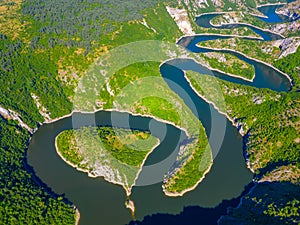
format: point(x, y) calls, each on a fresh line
point(226, 115)
point(246, 56)
point(128, 191)
point(129, 204)
point(224, 35)
point(171, 194)
point(93, 175)
point(271, 4)
point(219, 26)
point(263, 5)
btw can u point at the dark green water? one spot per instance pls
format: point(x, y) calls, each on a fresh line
point(102, 203)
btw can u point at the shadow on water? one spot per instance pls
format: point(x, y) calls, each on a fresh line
point(99, 200)
point(272, 16)
point(205, 216)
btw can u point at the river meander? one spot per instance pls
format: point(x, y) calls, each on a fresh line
point(102, 203)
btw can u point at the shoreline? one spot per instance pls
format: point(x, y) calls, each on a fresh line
point(271, 4)
point(219, 26)
point(224, 35)
point(255, 38)
point(81, 169)
point(128, 192)
point(151, 117)
point(171, 194)
point(91, 175)
point(217, 70)
point(142, 165)
point(129, 206)
point(223, 113)
point(258, 15)
point(118, 111)
point(246, 56)
point(212, 13)
point(168, 122)
point(77, 217)
point(236, 76)
point(58, 118)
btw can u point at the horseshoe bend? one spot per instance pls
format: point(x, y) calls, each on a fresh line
point(183, 112)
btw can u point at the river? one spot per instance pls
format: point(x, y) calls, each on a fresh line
point(102, 203)
point(267, 10)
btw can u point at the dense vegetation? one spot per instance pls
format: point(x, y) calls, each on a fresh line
point(262, 50)
point(82, 22)
point(268, 203)
point(44, 49)
point(22, 200)
point(120, 144)
point(229, 64)
point(268, 118)
point(290, 65)
point(241, 17)
point(23, 72)
point(113, 153)
point(73, 54)
point(192, 171)
point(130, 86)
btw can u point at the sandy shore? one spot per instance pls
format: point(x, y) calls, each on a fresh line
point(77, 217)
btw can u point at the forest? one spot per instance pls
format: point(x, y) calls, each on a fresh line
point(24, 199)
point(24, 71)
point(270, 127)
point(78, 23)
point(119, 142)
point(54, 37)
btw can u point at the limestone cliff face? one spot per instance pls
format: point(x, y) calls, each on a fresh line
point(292, 10)
point(287, 46)
point(12, 115)
point(181, 18)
